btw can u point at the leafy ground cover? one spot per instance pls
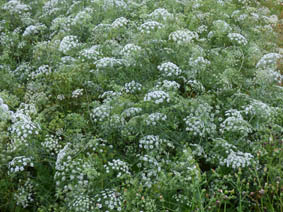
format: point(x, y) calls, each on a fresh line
point(141, 105)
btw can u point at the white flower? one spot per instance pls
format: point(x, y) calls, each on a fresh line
point(167, 85)
point(130, 49)
point(235, 123)
point(83, 16)
point(221, 26)
point(160, 13)
point(43, 70)
point(132, 87)
point(120, 22)
point(34, 29)
point(132, 111)
point(61, 97)
point(23, 195)
point(154, 118)
point(69, 43)
point(200, 122)
point(169, 69)
point(117, 165)
point(76, 93)
point(101, 113)
point(15, 6)
point(183, 36)
point(108, 96)
point(19, 163)
point(150, 26)
point(238, 159)
point(91, 54)
point(157, 97)
point(115, 4)
point(201, 29)
point(108, 62)
point(268, 60)
point(199, 63)
point(237, 38)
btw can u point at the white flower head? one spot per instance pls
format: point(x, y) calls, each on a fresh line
point(169, 69)
point(237, 39)
point(157, 97)
point(183, 36)
point(120, 22)
point(150, 26)
point(69, 43)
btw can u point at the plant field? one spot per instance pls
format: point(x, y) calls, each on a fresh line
point(141, 105)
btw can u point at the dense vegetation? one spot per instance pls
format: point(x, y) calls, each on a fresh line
point(141, 105)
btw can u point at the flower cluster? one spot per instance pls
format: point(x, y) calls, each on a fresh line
point(16, 7)
point(150, 26)
point(91, 54)
point(101, 28)
point(201, 29)
point(200, 122)
point(199, 63)
point(4, 110)
point(167, 85)
point(108, 62)
point(235, 123)
point(76, 93)
point(151, 142)
point(154, 118)
point(237, 39)
point(108, 96)
point(52, 6)
point(23, 126)
point(268, 76)
point(61, 24)
point(132, 111)
point(119, 166)
point(237, 160)
point(183, 36)
point(109, 200)
point(182, 199)
point(69, 173)
point(27, 109)
point(101, 113)
point(259, 110)
point(150, 169)
point(61, 97)
point(195, 86)
point(115, 122)
point(268, 60)
point(24, 194)
point(68, 44)
point(120, 22)
point(132, 87)
point(42, 71)
point(160, 13)
point(83, 16)
point(18, 164)
point(82, 203)
point(67, 60)
point(52, 144)
point(33, 29)
point(116, 4)
point(130, 49)
point(157, 97)
point(221, 26)
point(169, 69)
point(23, 70)
point(186, 170)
